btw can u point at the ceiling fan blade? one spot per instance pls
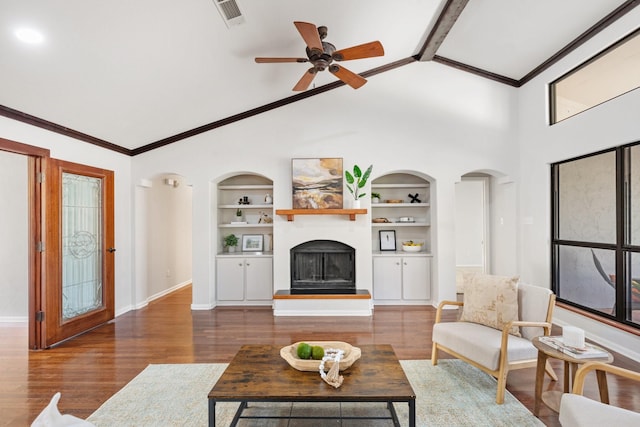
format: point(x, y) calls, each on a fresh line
point(309, 33)
point(349, 77)
point(306, 80)
point(272, 60)
point(366, 50)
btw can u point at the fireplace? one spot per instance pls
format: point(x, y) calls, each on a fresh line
point(323, 267)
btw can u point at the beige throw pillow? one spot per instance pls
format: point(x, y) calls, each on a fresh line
point(492, 301)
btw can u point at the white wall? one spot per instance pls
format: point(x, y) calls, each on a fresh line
point(14, 237)
point(65, 148)
point(423, 117)
point(163, 237)
point(607, 125)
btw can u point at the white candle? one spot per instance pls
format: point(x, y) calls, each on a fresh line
point(573, 337)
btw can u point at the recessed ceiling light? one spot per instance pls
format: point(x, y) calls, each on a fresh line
point(29, 35)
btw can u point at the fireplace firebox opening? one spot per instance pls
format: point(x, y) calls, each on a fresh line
point(323, 267)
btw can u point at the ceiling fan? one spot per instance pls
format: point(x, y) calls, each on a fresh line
point(322, 54)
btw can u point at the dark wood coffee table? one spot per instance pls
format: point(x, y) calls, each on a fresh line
point(258, 374)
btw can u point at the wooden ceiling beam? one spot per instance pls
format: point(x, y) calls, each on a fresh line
point(447, 18)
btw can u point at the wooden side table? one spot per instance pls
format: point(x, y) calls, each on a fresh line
point(552, 398)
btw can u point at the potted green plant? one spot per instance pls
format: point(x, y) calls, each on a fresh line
point(230, 242)
point(356, 181)
point(375, 197)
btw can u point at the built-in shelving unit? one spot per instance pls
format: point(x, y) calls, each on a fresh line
point(245, 278)
point(405, 205)
point(256, 215)
point(410, 221)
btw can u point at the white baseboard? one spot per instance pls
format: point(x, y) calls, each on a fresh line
point(160, 294)
point(14, 319)
point(202, 306)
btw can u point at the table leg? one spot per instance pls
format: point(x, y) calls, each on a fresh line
point(212, 413)
point(540, 369)
point(602, 385)
point(412, 413)
point(567, 377)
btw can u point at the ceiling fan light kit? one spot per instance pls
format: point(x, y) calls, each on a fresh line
point(322, 54)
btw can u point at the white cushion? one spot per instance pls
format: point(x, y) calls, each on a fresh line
point(580, 411)
point(51, 417)
point(481, 343)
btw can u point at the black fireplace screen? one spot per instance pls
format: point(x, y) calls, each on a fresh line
point(322, 266)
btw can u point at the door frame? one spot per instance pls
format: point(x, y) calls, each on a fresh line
point(36, 170)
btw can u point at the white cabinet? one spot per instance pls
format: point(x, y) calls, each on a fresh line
point(401, 278)
point(243, 279)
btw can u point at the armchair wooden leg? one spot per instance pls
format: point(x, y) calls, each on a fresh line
point(434, 354)
point(549, 370)
point(502, 385)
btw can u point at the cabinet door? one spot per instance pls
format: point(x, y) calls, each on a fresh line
point(387, 278)
point(230, 279)
point(416, 278)
point(259, 278)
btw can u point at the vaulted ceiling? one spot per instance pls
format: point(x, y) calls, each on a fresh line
point(132, 75)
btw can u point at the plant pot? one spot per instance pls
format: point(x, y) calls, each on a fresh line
point(375, 200)
point(231, 249)
point(355, 204)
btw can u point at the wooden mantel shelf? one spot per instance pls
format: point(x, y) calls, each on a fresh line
point(291, 213)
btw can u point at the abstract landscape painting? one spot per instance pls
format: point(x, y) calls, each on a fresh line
point(317, 183)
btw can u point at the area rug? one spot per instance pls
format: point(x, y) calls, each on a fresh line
point(453, 393)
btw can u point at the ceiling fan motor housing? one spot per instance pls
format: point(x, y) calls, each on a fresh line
point(321, 60)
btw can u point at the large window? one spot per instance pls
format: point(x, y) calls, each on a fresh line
point(607, 75)
point(596, 233)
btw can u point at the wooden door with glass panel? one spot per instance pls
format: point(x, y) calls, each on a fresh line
point(79, 286)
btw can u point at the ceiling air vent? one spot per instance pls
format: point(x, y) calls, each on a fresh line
point(230, 12)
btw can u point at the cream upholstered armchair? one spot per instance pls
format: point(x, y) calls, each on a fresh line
point(499, 319)
point(577, 410)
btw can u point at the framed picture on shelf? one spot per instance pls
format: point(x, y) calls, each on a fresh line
point(387, 240)
point(252, 242)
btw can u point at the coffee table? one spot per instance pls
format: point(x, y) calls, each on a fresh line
point(258, 373)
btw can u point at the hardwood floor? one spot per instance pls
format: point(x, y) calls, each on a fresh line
point(90, 368)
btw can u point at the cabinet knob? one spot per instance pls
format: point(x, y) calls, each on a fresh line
point(248, 264)
point(397, 262)
point(239, 264)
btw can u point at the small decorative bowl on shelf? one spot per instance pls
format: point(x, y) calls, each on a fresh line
point(411, 246)
point(380, 220)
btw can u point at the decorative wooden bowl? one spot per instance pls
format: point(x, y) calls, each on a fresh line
point(351, 354)
point(380, 220)
point(394, 201)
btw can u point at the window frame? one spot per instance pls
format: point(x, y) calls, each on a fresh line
point(622, 247)
point(553, 104)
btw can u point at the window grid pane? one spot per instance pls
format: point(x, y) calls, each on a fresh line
point(587, 199)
